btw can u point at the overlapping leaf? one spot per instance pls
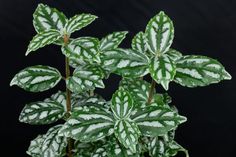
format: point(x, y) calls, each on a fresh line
point(139, 42)
point(156, 121)
point(37, 78)
point(162, 70)
point(112, 41)
point(35, 148)
point(174, 54)
point(88, 124)
point(126, 62)
point(193, 71)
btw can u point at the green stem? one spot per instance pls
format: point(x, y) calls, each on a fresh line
point(151, 91)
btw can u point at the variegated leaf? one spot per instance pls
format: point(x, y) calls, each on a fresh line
point(126, 62)
point(122, 104)
point(46, 18)
point(100, 152)
point(162, 70)
point(160, 33)
point(42, 39)
point(112, 41)
point(83, 48)
point(174, 54)
point(37, 78)
point(35, 148)
point(88, 123)
point(174, 148)
point(139, 42)
point(127, 132)
point(193, 71)
point(54, 145)
point(78, 22)
point(157, 147)
point(86, 78)
point(156, 121)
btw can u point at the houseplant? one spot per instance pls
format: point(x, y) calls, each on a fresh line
point(137, 120)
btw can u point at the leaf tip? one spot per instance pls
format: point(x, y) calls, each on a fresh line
point(13, 81)
point(227, 76)
point(165, 84)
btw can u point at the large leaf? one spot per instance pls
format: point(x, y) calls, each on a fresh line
point(122, 104)
point(86, 78)
point(127, 133)
point(126, 62)
point(35, 148)
point(83, 48)
point(162, 70)
point(139, 42)
point(54, 145)
point(42, 39)
point(156, 121)
point(112, 41)
point(160, 33)
point(46, 18)
point(193, 71)
point(78, 22)
point(37, 78)
point(88, 124)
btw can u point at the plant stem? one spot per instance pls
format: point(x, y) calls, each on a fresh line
point(68, 96)
point(151, 91)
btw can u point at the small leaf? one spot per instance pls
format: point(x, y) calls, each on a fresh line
point(156, 121)
point(122, 104)
point(127, 133)
point(160, 33)
point(157, 147)
point(139, 42)
point(100, 152)
point(125, 62)
point(35, 148)
point(193, 71)
point(88, 124)
point(83, 48)
point(112, 41)
point(78, 22)
point(46, 18)
point(42, 39)
point(174, 148)
point(37, 78)
point(54, 145)
point(174, 55)
point(86, 78)
point(162, 70)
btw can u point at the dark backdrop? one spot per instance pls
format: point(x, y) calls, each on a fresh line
point(205, 27)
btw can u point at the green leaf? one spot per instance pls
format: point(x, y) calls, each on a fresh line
point(138, 89)
point(122, 104)
point(37, 78)
point(42, 39)
point(139, 42)
point(127, 133)
point(86, 78)
point(112, 41)
point(35, 148)
point(156, 121)
point(173, 54)
point(46, 18)
point(53, 144)
point(174, 148)
point(125, 62)
point(162, 70)
point(100, 152)
point(160, 33)
point(83, 48)
point(88, 124)
point(193, 71)
point(78, 22)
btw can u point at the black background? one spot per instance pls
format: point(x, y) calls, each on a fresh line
point(205, 27)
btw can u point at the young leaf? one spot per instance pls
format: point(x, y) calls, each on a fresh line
point(122, 104)
point(112, 41)
point(193, 71)
point(46, 18)
point(37, 78)
point(86, 78)
point(162, 70)
point(88, 124)
point(35, 148)
point(54, 145)
point(139, 42)
point(156, 121)
point(127, 133)
point(125, 62)
point(78, 22)
point(160, 33)
point(83, 48)
point(173, 54)
point(42, 39)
